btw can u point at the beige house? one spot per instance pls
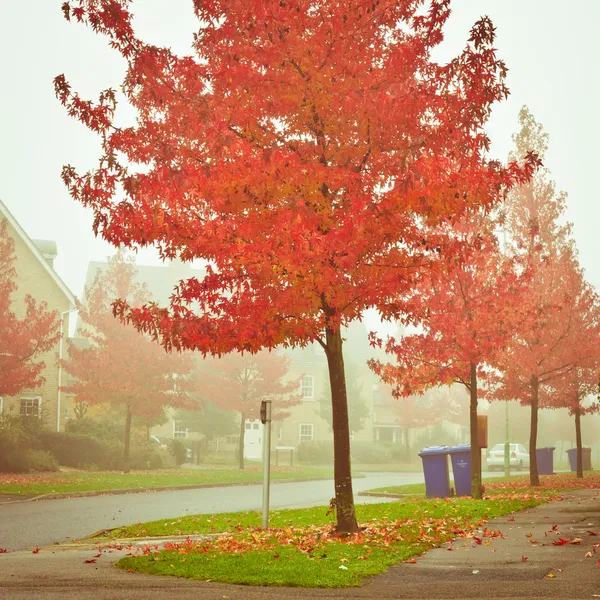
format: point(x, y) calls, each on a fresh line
point(36, 277)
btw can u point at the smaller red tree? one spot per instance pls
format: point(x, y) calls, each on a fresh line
point(121, 366)
point(240, 382)
point(22, 340)
point(467, 307)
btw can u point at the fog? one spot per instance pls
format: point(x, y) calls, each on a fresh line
point(552, 52)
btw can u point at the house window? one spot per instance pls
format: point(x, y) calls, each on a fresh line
point(308, 387)
point(179, 431)
point(307, 432)
point(30, 407)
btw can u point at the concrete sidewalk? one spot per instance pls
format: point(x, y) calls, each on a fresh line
point(469, 570)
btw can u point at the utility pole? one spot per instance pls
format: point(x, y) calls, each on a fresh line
point(265, 419)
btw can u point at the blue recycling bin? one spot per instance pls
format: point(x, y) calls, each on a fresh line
point(586, 458)
point(461, 468)
point(545, 460)
point(435, 469)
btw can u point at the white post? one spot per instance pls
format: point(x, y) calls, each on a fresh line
point(60, 355)
point(266, 465)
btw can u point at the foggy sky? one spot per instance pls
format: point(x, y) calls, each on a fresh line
point(551, 48)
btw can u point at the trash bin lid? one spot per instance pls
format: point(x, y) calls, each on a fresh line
point(461, 448)
point(431, 450)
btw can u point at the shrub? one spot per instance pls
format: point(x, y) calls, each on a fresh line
point(370, 453)
point(39, 460)
point(316, 453)
point(80, 451)
point(15, 441)
point(179, 452)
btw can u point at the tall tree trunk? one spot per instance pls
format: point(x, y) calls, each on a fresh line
point(342, 473)
point(127, 440)
point(475, 451)
point(242, 439)
point(578, 442)
point(534, 478)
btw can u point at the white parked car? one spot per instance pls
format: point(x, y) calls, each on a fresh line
point(519, 457)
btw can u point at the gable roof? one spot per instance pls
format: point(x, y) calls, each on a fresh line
point(36, 252)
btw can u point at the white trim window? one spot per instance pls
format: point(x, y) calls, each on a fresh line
point(30, 406)
point(307, 387)
point(179, 431)
point(307, 432)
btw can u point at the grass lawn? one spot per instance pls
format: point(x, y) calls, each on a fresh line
point(551, 485)
point(302, 549)
point(58, 483)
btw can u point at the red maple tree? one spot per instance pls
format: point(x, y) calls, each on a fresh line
point(120, 365)
point(23, 338)
point(302, 150)
point(466, 308)
point(549, 344)
point(241, 381)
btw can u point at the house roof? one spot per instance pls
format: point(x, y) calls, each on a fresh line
point(37, 253)
point(160, 280)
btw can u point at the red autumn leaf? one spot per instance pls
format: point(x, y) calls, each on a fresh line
point(523, 558)
point(511, 518)
point(35, 551)
point(592, 532)
point(561, 542)
point(554, 527)
point(91, 560)
point(410, 561)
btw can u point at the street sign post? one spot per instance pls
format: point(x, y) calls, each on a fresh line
point(265, 419)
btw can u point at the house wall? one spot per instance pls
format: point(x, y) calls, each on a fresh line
point(33, 279)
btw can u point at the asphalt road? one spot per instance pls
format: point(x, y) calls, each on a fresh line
point(40, 523)
point(43, 522)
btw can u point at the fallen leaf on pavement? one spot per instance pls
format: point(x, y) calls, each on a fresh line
point(35, 551)
point(524, 558)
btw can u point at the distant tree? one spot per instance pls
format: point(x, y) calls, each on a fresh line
point(549, 343)
point(358, 410)
point(240, 382)
point(121, 366)
point(22, 340)
point(209, 419)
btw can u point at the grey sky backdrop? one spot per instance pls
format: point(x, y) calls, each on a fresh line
point(552, 49)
